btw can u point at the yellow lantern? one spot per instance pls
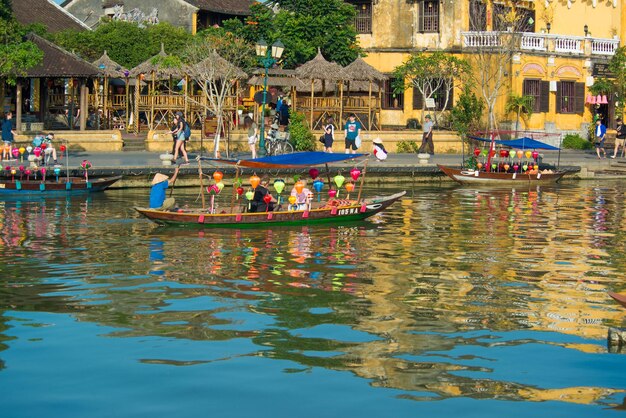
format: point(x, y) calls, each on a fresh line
point(292, 199)
point(528, 154)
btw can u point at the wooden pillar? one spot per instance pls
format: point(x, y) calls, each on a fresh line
point(369, 108)
point(341, 99)
point(152, 97)
point(84, 104)
point(18, 106)
point(312, 89)
point(136, 110)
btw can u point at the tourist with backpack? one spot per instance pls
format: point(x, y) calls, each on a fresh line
point(179, 133)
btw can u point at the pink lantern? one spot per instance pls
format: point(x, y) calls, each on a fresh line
point(590, 99)
point(515, 167)
point(314, 172)
point(332, 193)
point(355, 173)
point(598, 99)
point(21, 168)
point(604, 100)
point(535, 155)
point(15, 152)
point(37, 151)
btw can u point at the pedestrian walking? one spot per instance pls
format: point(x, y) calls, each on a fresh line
point(427, 137)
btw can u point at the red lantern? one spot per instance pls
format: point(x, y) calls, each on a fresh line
point(355, 173)
point(476, 152)
point(314, 172)
point(503, 153)
point(267, 198)
point(492, 153)
point(62, 148)
point(239, 190)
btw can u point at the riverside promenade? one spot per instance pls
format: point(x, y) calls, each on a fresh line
point(138, 167)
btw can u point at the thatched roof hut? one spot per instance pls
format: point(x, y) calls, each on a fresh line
point(360, 70)
point(277, 77)
point(110, 68)
point(320, 69)
point(214, 66)
point(155, 68)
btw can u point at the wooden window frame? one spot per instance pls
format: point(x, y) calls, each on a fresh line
point(388, 96)
point(570, 97)
point(363, 19)
point(429, 16)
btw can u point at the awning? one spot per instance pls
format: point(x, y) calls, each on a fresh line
point(295, 160)
point(520, 143)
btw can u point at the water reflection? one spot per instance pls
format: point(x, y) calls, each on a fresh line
point(440, 297)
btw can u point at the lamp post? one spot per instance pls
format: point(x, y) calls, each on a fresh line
point(268, 57)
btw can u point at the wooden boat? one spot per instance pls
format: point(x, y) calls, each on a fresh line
point(465, 176)
point(619, 298)
point(331, 211)
point(52, 186)
point(513, 171)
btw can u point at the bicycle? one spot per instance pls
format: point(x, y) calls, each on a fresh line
point(277, 143)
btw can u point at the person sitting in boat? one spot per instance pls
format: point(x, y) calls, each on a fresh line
point(259, 203)
point(49, 150)
point(160, 183)
point(379, 149)
point(302, 195)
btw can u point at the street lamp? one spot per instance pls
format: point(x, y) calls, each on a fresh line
point(268, 57)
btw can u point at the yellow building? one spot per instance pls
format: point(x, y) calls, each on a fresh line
point(560, 47)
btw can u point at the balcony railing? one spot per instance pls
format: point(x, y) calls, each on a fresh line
point(544, 42)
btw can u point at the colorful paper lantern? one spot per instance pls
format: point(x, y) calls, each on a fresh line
point(528, 154)
point(249, 195)
point(535, 155)
point(476, 152)
point(217, 176)
point(314, 172)
point(318, 185)
point(299, 186)
point(515, 167)
point(267, 198)
point(519, 153)
point(22, 150)
point(604, 99)
point(339, 179)
point(504, 153)
point(332, 193)
point(525, 167)
point(349, 187)
point(279, 185)
point(37, 151)
point(86, 164)
point(479, 166)
point(240, 190)
point(355, 173)
point(494, 166)
point(254, 181)
point(292, 199)
point(15, 152)
point(506, 167)
point(220, 185)
point(62, 148)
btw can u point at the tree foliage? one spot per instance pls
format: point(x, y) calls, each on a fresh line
point(431, 74)
point(16, 55)
point(125, 42)
point(617, 65)
point(521, 105)
point(303, 26)
point(466, 114)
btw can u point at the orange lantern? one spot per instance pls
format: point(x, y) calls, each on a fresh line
point(349, 187)
point(479, 166)
point(254, 181)
point(520, 153)
point(217, 176)
point(299, 186)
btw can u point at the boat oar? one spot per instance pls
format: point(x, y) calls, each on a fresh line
point(174, 182)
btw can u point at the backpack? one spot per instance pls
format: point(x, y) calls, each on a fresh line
point(186, 130)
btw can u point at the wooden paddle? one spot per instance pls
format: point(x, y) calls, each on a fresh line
point(174, 182)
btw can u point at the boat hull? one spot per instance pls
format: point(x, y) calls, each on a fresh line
point(470, 177)
point(351, 211)
point(64, 186)
point(619, 298)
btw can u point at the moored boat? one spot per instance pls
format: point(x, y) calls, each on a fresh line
point(53, 186)
point(333, 210)
point(466, 176)
point(619, 298)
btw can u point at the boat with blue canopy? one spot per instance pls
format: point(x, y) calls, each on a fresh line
point(506, 161)
point(253, 204)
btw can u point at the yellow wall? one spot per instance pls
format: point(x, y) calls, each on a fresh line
point(395, 37)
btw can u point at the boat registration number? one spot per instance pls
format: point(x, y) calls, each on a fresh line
point(349, 211)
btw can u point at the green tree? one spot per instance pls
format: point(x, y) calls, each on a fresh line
point(16, 54)
point(431, 74)
point(465, 115)
point(521, 105)
point(303, 26)
point(617, 65)
point(125, 42)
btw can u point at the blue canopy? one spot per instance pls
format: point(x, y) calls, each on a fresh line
point(520, 143)
point(294, 160)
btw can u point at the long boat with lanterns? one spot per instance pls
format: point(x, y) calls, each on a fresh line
point(344, 202)
point(516, 165)
point(19, 180)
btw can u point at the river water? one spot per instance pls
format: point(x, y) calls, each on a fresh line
point(455, 301)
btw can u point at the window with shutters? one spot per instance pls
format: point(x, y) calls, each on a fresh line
point(392, 100)
point(438, 96)
point(532, 88)
point(429, 16)
point(363, 19)
point(565, 104)
point(477, 16)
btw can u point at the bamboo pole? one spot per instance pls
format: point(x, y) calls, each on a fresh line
point(369, 108)
point(341, 98)
point(201, 183)
point(151, 93)
point(312, 86)
point(136, 110)
point(358, 198)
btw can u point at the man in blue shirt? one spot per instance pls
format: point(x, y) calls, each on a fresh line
point(160, 183)
point(7, 135)
point(352, 130)
point(600, 134)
